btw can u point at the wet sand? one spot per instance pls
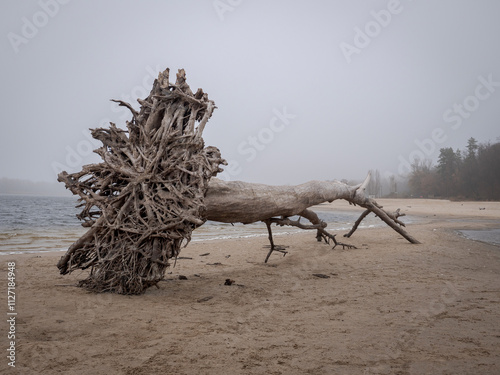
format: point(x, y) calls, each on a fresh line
point(387, 307)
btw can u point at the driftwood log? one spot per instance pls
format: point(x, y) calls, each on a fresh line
point(155, 186)
point(243, 202)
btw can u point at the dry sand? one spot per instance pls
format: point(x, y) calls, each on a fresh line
point(388, 307)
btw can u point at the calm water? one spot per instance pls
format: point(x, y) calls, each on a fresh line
point(485, 235)
point(36, 224)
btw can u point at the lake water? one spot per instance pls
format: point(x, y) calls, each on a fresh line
point(30, 224)
point(491, 236)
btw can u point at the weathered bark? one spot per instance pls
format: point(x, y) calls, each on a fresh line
point(236, 201)
point(393, 217)
point(243, 202)
point(356, 224)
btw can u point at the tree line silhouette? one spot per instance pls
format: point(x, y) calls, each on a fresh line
point(472, 173)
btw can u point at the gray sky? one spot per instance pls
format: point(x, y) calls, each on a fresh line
point(305, 89)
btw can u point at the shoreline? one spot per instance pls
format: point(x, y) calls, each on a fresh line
point(415, 210)
point(386, 307)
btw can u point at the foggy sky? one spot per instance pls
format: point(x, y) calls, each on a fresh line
point(304, 89)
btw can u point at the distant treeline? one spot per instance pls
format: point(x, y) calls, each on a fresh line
point(472, 173)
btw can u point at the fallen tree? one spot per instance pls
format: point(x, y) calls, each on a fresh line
point(155, 186)
point(243, 202)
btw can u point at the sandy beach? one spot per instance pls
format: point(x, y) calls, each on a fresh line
point(387, 307)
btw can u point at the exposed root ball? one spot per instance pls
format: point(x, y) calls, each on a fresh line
point(145, 198)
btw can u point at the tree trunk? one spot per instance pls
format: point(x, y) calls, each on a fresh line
point(243, 202)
